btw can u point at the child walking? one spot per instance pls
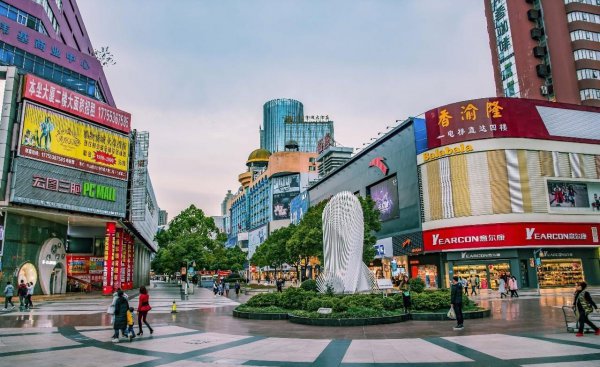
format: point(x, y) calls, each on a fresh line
point(130, 331)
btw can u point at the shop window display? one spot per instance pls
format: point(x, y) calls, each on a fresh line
point(560, 273)
point(488, 273)
point(428, 273)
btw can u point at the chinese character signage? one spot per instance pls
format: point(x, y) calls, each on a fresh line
point(60, 98)
point(504, 118)
point(43, 184)
point(511, 235)
point(59, 139)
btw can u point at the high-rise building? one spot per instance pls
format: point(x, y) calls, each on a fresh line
point(546, 49)
point(73, 174)
point(284, 121)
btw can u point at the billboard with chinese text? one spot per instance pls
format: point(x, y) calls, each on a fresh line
point(385, 195)
point(65, 141)
point(43, 184)
point(510, 118)
point(63, 99)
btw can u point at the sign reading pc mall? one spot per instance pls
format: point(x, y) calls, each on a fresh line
point(87, 189)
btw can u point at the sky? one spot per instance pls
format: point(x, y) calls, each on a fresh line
point(196, 73)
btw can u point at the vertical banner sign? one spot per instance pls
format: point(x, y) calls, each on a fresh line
point(131, 250)
point(109, 242)
point(117, 264)
point(124, 270)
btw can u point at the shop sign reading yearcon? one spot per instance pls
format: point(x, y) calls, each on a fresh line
point(511, 235)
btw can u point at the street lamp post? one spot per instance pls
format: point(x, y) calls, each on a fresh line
point(537, 265)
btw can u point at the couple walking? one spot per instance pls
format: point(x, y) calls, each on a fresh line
point(123, 314)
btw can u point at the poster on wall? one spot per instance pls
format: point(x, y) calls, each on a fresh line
point(283, 184)
point(385, 195)
point(59, 139)
point(298, 207)
point(255, 238)
point(281, 205)
point(577, 197)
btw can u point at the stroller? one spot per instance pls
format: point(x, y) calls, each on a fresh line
point(572, 322)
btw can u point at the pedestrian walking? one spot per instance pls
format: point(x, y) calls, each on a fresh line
point(9, 292)
point(473, 282)
point(583, 305)
point(220, 288)
point(464, 284)
point(405, 288)
point(502, 287)
point(120, 323)
point(215, 288)
point(130, 318)
point(237, 288)
point(456, 302)
point(227, 286)
point(22, 292)
point(279, 285)
point(29, 302)
point(143, 309)
point(513, 286)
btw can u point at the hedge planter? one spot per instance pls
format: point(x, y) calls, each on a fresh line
point(348, 322)
point(260, 316)
point(441, 316)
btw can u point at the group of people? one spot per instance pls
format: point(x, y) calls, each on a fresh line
point(222, 288)
point(123, 314)
point(25, 293)
point(507, 284)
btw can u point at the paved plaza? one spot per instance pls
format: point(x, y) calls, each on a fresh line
point(528, 331)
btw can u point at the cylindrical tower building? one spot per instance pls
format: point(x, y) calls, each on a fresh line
point(275, 113)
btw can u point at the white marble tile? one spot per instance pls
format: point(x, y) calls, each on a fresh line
point(29, 342)
point(106, 334)
point(515, 347)
point(27, 330)
point(276, 349)
point(399, 351)
point(588, 338)
point(567, 364)
point(88, 356)
point(181, 344)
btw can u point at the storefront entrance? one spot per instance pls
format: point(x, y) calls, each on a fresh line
point(560, 272)
point(488, 272)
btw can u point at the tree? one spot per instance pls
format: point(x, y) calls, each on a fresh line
point(193, 237)
point(274, 251)
point(372, 225)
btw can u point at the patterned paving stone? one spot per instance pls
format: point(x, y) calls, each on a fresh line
point(399, 351)
point(276, 349)
point(89, 356)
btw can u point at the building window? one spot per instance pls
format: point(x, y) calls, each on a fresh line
point(588, 2)
point(50, 14)
point(10, 55)
point(583, 17)
point(585, 54)
point(583, 74)
point(585, 35)
point(312, 159)
point(589, 94)
point(312, 168)
point(22, 17)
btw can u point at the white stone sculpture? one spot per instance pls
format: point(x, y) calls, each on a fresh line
point(343, 229)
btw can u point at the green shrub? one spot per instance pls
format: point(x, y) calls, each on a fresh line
point(295, 298)
point(269, 309)
point(309, 285)
point(264, 300)
point(389, 303)
point(416, 285)
point(431, 300)
point(318, 302)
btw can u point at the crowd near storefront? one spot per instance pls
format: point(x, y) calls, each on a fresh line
point(481, 189)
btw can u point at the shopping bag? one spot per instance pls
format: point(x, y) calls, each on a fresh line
point(110, 310)
point(451, 314)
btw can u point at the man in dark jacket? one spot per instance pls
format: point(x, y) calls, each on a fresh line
point(121, 307)
point(456, 302)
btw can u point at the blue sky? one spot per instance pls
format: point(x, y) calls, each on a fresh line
point(196, 73)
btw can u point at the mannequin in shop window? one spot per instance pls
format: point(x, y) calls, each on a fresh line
point(427, 280)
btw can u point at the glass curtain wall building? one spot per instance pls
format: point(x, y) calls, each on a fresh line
point(275, 113)
point(307, 134)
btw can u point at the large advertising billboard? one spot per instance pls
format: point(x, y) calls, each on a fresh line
point(281, 205)
point(43, 184)
point(299, 206)
point(255, 238)
point(385, 195)
point(289, 183)
point(511, 235)
point(56, 138)
point(63, 99)
point(576, 197)
point(510, 118)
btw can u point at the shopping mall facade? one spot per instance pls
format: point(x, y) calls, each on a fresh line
point(77, 207)
point(483, 187)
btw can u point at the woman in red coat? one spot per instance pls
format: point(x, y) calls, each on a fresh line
point(143, 308)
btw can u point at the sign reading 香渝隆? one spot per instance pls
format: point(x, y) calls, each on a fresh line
point(65, 141)
point(511, 235)
point(500, 117)
point(61, 98)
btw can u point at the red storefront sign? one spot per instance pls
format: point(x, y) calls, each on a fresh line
point(109, 244)
point(511, 235)
point(497, 118)
point(63, 99)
